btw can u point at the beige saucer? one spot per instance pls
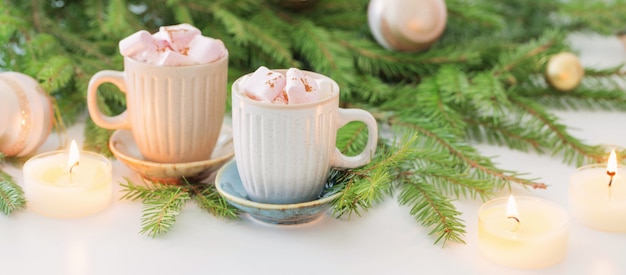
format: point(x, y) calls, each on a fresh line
point(125, 149)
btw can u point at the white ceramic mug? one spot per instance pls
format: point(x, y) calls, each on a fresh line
point(175, 113)
point(284, 152)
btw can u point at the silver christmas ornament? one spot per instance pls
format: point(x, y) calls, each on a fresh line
point(27, 114)
point(407, 25)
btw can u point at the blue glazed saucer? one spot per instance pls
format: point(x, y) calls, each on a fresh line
point(229, 185)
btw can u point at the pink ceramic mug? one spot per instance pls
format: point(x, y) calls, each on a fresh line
point(175, 113)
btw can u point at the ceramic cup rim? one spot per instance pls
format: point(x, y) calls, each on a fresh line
point(193, 67)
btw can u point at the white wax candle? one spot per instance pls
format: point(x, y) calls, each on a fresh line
point(51, 190)
point(593, 203)
point(538, 240)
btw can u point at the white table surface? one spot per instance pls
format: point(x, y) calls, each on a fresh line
point(385, 240)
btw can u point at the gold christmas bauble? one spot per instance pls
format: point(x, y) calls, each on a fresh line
point(27, 115)
point(564, 71)
point(407, 25)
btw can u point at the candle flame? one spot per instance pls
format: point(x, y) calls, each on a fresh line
point(73, 156)
point(611, 167)
point(511, 209)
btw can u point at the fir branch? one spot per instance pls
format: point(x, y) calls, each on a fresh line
point(364, 187)
point(451, 182)
point(371, 58)
point(556, 136)
point(71, 40)
point(581, 98)
point(319, 47)
point(210, 200)
point(468, 155)
point(164, 202)
point(526, 52)
point(149, 190)
point(432, 210)
point(160, 211)
point(246, 33)
point(119, 21)
point(362, 192)
point(351, 138)
point(11, 195)
point(454, 85)
point(97, 139)
point(181, 13)
point(436, 106)
point(605, 72)
point(488, 96)
point(475, 13)
point(56, 73)
point(508, 133)
point(598, 16)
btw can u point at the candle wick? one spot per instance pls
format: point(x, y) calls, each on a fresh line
point(515, 218)
point(74, 165)
point(611, 174)
point(517, 223)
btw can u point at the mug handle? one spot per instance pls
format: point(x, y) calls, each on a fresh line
point(348, 115)
point(116, 122)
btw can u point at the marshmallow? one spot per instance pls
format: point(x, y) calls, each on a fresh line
point(205, 49)
point(326, 87)
point(161, 41)
point(139, 46)
point(301, 88)
point(281, 99)
point(264, 85)
point(179, 36)
point(176, 45)
point(172, 58)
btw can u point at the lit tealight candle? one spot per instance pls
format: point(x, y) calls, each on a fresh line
point(64, 184)
point(597, 196)
point(525, 232)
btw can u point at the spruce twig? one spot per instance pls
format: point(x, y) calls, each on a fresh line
point(160, 211)
point(433, 210)
point(11, 195)
point(162, 203)
point(210, 200)
point(574, 151)
point(474, 161)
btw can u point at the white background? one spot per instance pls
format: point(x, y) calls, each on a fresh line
point(385, 240)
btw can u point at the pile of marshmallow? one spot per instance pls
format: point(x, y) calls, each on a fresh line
point(295, 87)
point(177, 45)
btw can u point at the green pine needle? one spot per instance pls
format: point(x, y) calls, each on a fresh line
point(211, 201)
point(162, 203)
point(160, 211)
point(11, 195)
point(433, 211)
